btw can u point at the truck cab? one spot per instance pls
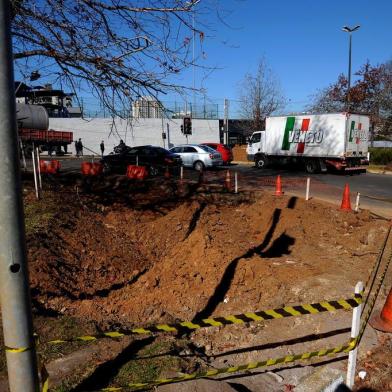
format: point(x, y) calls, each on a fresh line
point(255, 149)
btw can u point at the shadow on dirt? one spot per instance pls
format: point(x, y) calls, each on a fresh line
point(104, 373)
point(278, 248)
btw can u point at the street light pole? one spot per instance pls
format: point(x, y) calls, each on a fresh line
point(14, 286)
point(349, 30)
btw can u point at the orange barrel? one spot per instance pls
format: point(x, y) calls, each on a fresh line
point(96, 169)
point(54, 166)
point(43, 166)
point(142, 173)
point(131, 170)
point(86, 168)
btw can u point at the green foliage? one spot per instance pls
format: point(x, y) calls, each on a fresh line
point(380, 156)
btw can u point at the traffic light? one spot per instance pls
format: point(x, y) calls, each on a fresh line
point(187, 126)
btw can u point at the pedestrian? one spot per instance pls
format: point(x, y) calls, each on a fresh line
point(80, 144)
point(76, 148)
point(102, 146)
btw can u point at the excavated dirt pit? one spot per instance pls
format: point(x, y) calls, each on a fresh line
point(119, 266)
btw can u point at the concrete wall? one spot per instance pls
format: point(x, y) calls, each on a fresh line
point(135, 133)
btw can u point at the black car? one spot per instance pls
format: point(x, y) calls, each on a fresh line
point(155, 158)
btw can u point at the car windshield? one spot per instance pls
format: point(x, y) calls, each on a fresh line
point(206, 148)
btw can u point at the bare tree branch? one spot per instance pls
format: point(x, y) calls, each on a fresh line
point(260, 95)
point(112, 48)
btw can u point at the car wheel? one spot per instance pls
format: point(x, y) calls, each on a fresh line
point(106, 169)
point(261, 162)
point(153, 171)
point(198, 165)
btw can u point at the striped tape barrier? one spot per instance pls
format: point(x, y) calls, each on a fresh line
point(379, 257)
point(234, 369)
point(373, 300)
point(279, 313)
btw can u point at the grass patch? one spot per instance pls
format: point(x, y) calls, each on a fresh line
point(149, 365)
point(38, 214)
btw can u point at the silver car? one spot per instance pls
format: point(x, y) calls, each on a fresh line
point(198, 156)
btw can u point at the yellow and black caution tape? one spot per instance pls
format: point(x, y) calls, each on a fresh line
point(373, 300)
point(287, 311)
point(379, 258)
point(17, 349)
point(240, 368)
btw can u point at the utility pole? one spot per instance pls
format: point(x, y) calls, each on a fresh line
point(226, 122)
point(14, 287)
point(349, 30)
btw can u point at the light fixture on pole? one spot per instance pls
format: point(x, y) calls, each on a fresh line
point(349, 30)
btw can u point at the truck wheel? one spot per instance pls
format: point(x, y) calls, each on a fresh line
point(261, 162)
point(312, 166)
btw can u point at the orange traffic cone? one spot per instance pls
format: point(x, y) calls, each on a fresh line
point(228, 181)
point(383, 321)
point(278, 189)
point(346, 203)
point(167, 172)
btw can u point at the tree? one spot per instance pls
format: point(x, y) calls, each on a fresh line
point(260, 95)
point(371, 94)
point(117, 49)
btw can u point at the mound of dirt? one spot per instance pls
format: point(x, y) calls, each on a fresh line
point(126, 267)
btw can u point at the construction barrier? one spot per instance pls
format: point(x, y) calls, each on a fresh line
point(49, 167)
point(91, 168)
point(189, 326)
point(239, 368)
point(137, 172)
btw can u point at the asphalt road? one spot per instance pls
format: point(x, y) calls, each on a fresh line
point(375, 189)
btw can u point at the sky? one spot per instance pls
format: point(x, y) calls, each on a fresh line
point(301, 40)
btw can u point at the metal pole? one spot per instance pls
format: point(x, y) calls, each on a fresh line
point(39, 168)
point(35, 174)
point(226, 122)
point(168, 135)
point(23, 155)
point(307, 189)
point(355, 325)
point(235, 182)
point(14, 287)
point(349, 73)
point(182, 173)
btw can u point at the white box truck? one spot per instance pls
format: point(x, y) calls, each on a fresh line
point(318, 142)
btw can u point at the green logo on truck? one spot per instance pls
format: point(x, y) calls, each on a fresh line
point(301, 137)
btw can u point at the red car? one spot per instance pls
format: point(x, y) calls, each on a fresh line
point(225, 151)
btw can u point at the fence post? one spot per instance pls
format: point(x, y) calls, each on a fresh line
point(307, 189)
point(39, 168)
point(357, 202)
point(35, 173)
point(355, 326)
